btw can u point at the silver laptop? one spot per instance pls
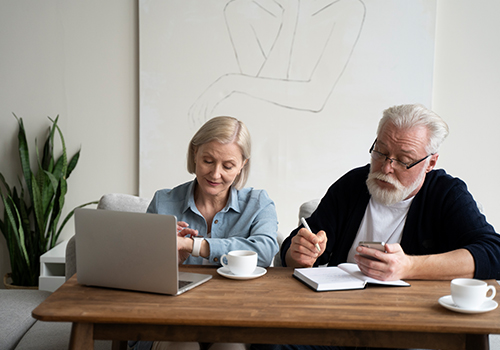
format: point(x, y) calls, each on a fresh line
point(134, 251)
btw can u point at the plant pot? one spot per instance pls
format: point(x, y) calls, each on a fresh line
point(9, 285)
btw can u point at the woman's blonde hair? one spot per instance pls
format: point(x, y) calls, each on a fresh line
point(224, 130)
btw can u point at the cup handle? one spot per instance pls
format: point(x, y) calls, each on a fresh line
point(493, 292)
point(226, 265)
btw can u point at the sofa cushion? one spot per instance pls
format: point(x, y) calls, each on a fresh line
point(53, 336)
point(15, 314)
point(307, 208)
point(123, 202)
point(46, 336)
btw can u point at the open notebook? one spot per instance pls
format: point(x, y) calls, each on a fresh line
point(135, 251)
point(341, 277)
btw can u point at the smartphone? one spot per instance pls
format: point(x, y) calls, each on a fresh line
point(374, 245)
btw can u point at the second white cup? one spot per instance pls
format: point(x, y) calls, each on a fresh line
point(469, 293)
point(240, 262)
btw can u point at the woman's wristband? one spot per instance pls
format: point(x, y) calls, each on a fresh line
point(196, 246)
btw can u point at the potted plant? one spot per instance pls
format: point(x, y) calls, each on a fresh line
point(31, 222)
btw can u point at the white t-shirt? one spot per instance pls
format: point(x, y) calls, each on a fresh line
point(381, 223)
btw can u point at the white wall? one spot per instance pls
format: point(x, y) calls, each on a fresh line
point(466, 95)
point(78, 59)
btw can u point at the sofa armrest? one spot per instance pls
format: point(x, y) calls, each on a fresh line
point(70, 264)
point(15, 316)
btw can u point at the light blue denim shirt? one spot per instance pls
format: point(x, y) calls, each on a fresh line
point(248, 221)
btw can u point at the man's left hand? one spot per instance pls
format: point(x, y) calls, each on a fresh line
point(392, 265)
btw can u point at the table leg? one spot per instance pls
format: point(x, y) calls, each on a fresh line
point(119, 345)
point(477, 341)
point(82, 336)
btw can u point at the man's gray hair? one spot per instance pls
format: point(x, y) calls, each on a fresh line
point(412, 115)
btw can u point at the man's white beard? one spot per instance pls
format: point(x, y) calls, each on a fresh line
point(391, 196)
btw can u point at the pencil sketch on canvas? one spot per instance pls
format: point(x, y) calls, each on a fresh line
point(291, 54)
point(309, 78)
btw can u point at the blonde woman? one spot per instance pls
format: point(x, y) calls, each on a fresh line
point(215, 212)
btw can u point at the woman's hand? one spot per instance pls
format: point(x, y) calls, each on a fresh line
point(183, 230)
point(184, 243)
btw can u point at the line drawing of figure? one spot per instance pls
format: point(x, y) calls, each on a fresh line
point(290, 53)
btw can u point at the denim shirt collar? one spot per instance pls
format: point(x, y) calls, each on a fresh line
point(232, 202)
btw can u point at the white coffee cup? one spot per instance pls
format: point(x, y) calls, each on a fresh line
point(469, 293)
point(240, 262)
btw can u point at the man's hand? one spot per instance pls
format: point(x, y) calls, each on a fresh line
point(302, 251)
point(395, 264)
point(392, 265)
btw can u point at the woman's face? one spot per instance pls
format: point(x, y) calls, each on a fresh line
point(217, 166)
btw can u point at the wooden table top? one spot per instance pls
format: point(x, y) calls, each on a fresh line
point(275, 300)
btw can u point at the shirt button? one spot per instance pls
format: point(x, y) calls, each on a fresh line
point(216, 259)
point(216, 221)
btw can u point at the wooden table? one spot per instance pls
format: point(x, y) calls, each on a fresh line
point(275, 308)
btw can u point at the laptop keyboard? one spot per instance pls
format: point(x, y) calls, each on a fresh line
point(182, 284)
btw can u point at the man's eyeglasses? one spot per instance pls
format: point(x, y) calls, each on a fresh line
point(396, 164)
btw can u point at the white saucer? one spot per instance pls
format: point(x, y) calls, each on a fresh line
point(224, 271)
point(448, 303)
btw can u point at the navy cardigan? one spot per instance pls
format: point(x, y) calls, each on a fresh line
point(442, 217)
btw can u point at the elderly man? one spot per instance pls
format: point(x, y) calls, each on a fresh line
point(429, 220)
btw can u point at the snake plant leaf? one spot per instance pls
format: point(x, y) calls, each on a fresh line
point(52, 179)
point(4, 225)
point(48, 151)
point(7, 187)
point(4, 228)
point(63, 143)
point(44, 186)
point(19, 262)
point(40, 221)
point(58, 168)
point(72, 163)
point(58, 204)
point(24, 153)
point(39, 177)
point(47, 186)
point(18, 230)
point(21, 206)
